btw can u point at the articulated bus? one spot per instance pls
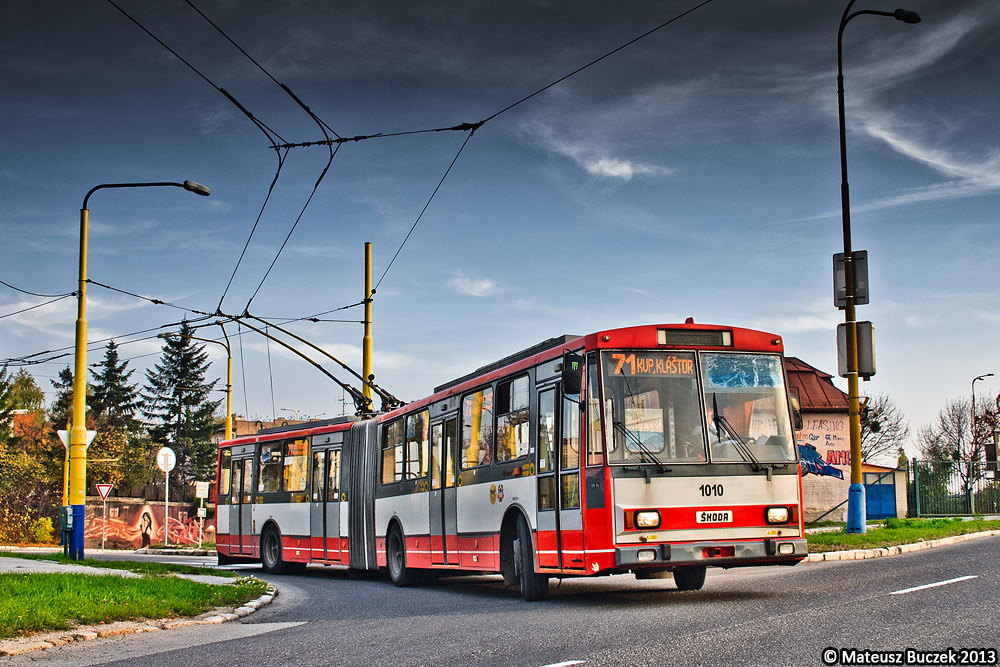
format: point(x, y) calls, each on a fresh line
point(658, 450)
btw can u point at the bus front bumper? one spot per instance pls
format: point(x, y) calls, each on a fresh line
point(713, 554)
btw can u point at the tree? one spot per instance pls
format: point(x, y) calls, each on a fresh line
point(30, 482)
point(176, 401)
point(121, 453)
point(949, 437)
point(25, 393)
point(61, 410)
point(115, 401)
point(884, 429)
point(6, 404)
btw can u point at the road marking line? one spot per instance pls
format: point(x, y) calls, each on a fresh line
point(567, 663)
point(940, 583)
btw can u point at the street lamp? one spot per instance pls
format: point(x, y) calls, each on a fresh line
point(979, 377)
point(856, 496)
point(229, 372)
point(78, 433)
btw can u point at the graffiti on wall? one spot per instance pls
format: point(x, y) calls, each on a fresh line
point(830, 435)
point(133, 525)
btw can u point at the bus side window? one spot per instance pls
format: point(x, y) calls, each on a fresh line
point(392, 452)
point(417, 426)
point(595, 441)
point(333, 485)
point(477, 428)
point(225, 474)
point(296, 465)
point(269, 480)
point(512, 419)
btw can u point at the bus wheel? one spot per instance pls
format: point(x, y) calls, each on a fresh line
point(270, 552)
point(395, 556)
point(690, 577)
point(534, 586)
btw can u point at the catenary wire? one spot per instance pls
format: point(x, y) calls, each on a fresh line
point(37, 305)
point(44, 296)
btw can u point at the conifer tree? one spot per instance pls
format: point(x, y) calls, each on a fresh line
point(121, 445)
point(115, 402)
point(61, 411)
point(176, 403)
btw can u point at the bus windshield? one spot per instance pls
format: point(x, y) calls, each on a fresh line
point(746, 408)
point(665, 407)
point(652, 412)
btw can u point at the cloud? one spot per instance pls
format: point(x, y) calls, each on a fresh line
point(480, 287)
point(595, 160)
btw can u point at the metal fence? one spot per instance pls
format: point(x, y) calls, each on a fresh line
point(953, 488)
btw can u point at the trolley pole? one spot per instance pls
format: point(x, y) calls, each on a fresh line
point(366, 341)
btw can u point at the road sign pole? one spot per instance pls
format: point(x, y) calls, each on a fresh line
point(166, 459)
point(104, 524)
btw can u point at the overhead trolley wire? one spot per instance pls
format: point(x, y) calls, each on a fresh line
point(294, 225)
point(264, 128)
point(260, 214)
point(597, 60)
point(38, 305)
point(424, 209)
point(472, 127)
point(44, 296)
point(156, 302)
point(323, 127)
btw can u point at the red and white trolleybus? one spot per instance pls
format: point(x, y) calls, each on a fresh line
point(658, 450)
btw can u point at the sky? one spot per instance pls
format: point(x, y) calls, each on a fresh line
point(693, 173)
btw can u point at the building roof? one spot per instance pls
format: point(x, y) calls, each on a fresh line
point(814, 387)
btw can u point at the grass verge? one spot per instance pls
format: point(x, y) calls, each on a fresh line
point(35, 602)
point(897, 531)
point(140, 567)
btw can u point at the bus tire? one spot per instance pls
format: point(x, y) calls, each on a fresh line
point(395, 558)
point(270, 551)
point(690, 577)
point(534, 586)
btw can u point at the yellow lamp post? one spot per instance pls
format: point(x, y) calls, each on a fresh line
point(229, 373)
point(856, 495)
point(78, 432)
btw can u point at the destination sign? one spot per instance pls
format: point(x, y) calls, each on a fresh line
point(652, 363)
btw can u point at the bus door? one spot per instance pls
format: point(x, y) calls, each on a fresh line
point(240, 521)
point(560, 520)
point(324, 513)
point(443, 493)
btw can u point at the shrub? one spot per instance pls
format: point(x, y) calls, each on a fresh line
point(41, 530)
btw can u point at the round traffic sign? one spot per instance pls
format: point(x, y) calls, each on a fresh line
point(166, 459)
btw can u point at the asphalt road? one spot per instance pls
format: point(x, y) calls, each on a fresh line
point(758, 616)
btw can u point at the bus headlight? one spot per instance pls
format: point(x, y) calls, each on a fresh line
point(776, 515)
point(647, 519)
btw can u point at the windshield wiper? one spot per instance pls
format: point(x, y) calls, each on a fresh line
point(644, 452)
point(722, 424)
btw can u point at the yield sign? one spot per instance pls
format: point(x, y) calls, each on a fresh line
point(104, 490)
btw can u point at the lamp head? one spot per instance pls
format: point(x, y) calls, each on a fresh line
point(200, 189)
point(906, 16)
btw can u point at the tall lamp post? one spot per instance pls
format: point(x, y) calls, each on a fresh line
point(856, 496)
point(974, 380)
point(78, 431)
point(229, 373)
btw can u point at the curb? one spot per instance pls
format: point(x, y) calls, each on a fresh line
point(83, 633)
point(863, 554)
